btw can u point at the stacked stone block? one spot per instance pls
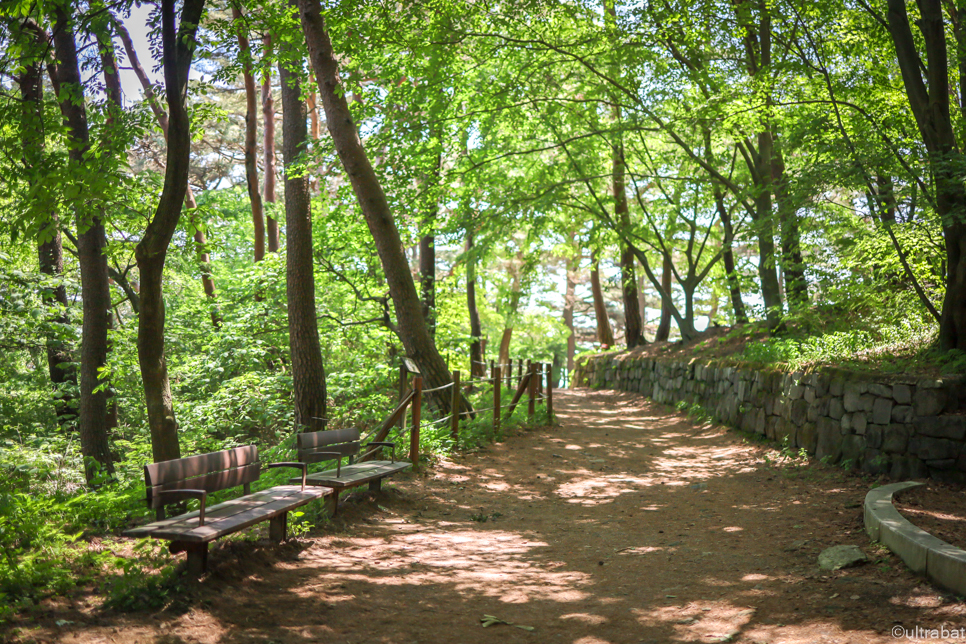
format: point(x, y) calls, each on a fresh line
point(902, 427)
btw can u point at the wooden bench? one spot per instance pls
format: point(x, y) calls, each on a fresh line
point(336, 444)
point(197, 476)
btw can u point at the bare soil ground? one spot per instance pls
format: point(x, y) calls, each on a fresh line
point(627, 523)
point(938, 509)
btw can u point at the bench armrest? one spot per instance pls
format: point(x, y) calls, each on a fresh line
point(392, 446)
point(335, 455)
point(177, 495)
point(302, 466)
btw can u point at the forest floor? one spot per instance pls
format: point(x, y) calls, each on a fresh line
point(626, 523)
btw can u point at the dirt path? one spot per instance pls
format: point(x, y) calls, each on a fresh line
point(627, 523)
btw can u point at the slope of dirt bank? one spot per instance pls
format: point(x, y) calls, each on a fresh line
point(627, 523)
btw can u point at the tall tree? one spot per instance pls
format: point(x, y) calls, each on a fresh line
point(308, 372)
point(201, 240)
point(178, 44)
point(50, 249)
point(91, 244)
point(929, 100)
point(633, 327)
point(477, 367)
point(605, 334)
point(251, 132)
point(268, 138)
point(375, 208)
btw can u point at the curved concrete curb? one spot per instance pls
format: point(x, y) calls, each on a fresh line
point(941, 562)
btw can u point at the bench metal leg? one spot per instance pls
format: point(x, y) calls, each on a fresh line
point(331, 503)
point(197, 558)
point(278, 527)
point(375, 486)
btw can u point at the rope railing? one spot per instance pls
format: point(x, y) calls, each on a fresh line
point(440, 388)
point(532, 380)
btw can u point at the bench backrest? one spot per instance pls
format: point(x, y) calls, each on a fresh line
point(210, 472)
point(341, 441)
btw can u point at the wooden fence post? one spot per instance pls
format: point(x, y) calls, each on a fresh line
point(497, 386)
point(417, 404)
point(403, 377)
point(550, 393)
point(519, 370)
point(454, 427)
point(532, 392)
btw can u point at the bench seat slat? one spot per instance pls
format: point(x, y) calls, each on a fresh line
point(230, 516)
point(353, 475)
point(229, 508)
point(222, 509)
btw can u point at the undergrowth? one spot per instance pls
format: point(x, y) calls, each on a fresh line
point(56, 533)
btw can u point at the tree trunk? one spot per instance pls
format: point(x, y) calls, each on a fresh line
point(115, 105)
point(633, 326)
point(504, 355)
point(765, 232)
point(664, 326)
point(427, 275)
point(731, 274)
point(308, 372)
point(633, 331)
point(251, 132)
point(91, 241)
point(50, 250)
point(201, 241)
point(605, 335)
point(642, 302)
point(793, 264)
point(177, 47)
point(411, 324)
point(268, 116)
point(477, 367)
point(886, 196)
point(930, 106)
point(314, 130)
point(570, 299)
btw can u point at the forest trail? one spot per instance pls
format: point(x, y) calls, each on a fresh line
point(626, 523)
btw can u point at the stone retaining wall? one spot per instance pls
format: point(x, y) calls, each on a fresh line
point(906, 428)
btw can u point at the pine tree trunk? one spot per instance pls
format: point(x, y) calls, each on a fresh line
point(177, 47)
point(268, 116)
point(251, 133)
point(411, 324)
point(91, 241)
point(308, 372)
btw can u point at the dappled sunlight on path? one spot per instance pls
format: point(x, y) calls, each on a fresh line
point(626, 523)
